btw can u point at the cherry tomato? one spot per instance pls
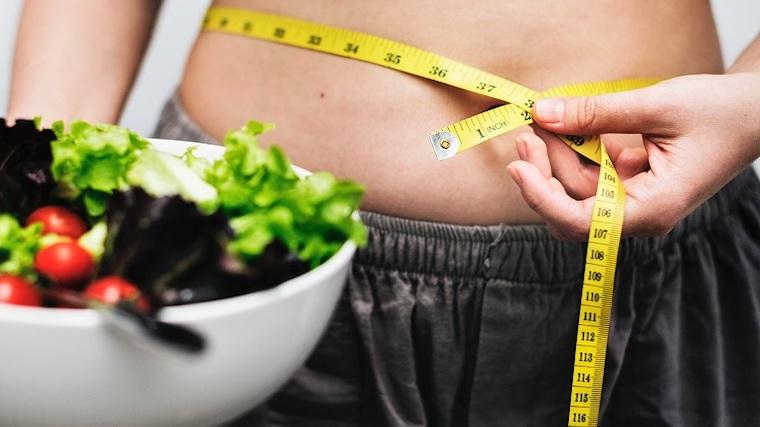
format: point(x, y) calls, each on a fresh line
point(15, 290)
point(66, 263)
point(112, 289)
point(58, 220)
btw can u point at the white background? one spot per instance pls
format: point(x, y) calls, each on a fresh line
point(738, 23)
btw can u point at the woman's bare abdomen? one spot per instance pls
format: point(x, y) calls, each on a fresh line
point(371, 124)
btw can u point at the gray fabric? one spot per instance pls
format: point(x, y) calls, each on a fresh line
point(448, 325)
point(174, 123)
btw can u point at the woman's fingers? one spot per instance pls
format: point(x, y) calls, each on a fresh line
point(633, 111)
point(532, 149)
point(570, 219)
point(628, 154)
point(567, 218)
point(576, 175)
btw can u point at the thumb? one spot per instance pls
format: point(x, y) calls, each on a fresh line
point(622, 112)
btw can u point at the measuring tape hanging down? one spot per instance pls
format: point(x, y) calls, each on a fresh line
point(607, 219)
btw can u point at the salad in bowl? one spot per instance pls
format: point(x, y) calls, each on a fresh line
point(231, 241)
point(97, 208)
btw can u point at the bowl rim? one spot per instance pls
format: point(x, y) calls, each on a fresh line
point(78, 317)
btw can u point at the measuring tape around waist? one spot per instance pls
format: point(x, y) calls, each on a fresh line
point(607, 219)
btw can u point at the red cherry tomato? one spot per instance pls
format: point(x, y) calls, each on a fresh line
point(112, 289)
point(58, 220)
point(15, 290)
point(65, 263)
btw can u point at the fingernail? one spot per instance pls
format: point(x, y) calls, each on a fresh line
point(515, 174)
point(550, 110)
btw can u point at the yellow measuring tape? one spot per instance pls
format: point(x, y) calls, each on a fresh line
point(607, 220)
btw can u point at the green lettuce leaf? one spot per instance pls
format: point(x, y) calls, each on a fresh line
point(18, 246)
point(256, 188)
point(248, 177)
point(199, 165)
point(94, 240)
point(161, 174)
point(266, 201)
point(90, 161)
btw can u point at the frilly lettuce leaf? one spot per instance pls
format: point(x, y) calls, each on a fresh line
point(199, 165)
point(90, 161)
point(94, 240)
point(249, 177)
point(161, 174)
point(255, 188)
point(266, 201)
point(18, 246)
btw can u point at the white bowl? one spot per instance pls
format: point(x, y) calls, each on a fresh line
point(63, 367)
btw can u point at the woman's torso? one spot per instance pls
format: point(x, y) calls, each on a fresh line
point(371, 124)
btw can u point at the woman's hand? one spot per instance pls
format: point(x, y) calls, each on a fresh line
point(698, 132)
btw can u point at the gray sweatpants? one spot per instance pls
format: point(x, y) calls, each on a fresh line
point(448, 325)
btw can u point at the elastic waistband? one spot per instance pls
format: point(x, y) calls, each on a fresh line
point(520, 253)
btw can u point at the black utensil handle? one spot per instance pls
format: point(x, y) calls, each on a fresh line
point(178, 336)
point(170, 335)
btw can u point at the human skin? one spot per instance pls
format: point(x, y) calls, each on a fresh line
point(70, 62)
point(371, 123)
point(363, 121)
point(698, 131)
